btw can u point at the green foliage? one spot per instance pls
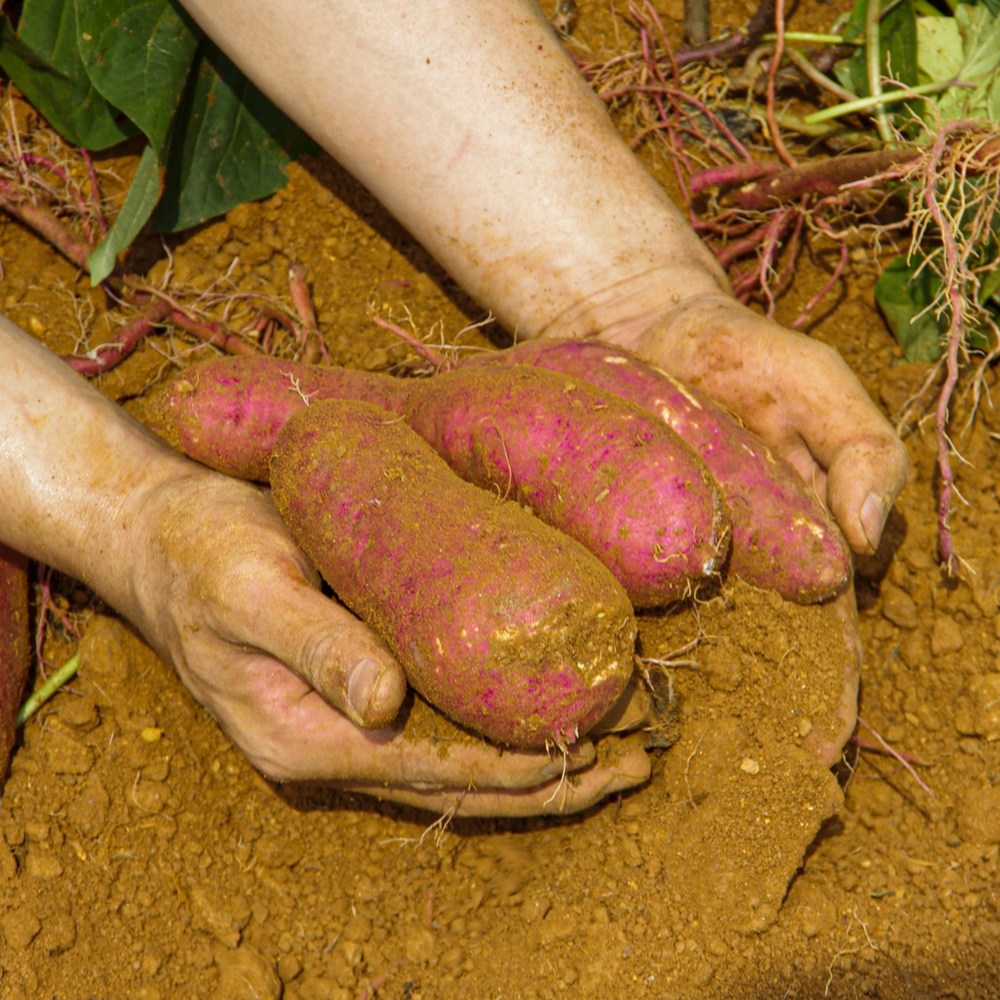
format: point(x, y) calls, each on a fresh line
point(42, 58)
point(964, 47)
point(101, 70)
point(944, 43)
point(897, 40)
point(905, 299)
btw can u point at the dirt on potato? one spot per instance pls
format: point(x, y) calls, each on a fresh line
point(141, 856)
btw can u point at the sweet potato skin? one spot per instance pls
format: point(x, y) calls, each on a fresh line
point(783, 538)
point(603, 470)
point(227, 412)
point(592, 464)
point(507, 626)
point(15, 647)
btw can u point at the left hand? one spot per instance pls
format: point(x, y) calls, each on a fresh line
point(222, 592)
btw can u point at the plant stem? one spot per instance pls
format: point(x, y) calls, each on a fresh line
point(64, 674)
point(873, 63)
point(864, 103)
point(809, 37)
point(43, 222)
point(822, 81)
point(772, 74)
point(100, 359)
point(824, 178)
point(313, 348)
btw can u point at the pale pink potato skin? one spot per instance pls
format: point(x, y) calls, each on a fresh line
point(227, 413)
point(783, 538)
point(603, 470)
point(504, 624)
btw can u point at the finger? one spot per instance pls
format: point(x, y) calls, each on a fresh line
point(827, 740)
point(863, 482)
point(330, 649)
point(289, 733)
point(561, 797)
point(866, 464)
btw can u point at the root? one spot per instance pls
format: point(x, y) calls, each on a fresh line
point(908, 761)
point(38, 189)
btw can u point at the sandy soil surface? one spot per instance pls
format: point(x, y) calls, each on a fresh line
point(140, 856)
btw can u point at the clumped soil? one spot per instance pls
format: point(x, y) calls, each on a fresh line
point(141, 856)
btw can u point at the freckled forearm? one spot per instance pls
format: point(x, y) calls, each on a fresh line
point(73, 467)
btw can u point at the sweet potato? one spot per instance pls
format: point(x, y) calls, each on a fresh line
point(604, 471)
point(506, 625)
point(783, 538)
point(591, 464)
point(15, 647)
point(226, 413)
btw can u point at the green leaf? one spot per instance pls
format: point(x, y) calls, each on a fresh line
point(230, 145)
point(902, 296)
point(219, 140)
point(44, 62)
point(214, 140)
point(135, 212)
point(138, 55)
point(965, 47)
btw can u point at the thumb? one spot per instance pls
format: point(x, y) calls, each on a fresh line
point(334, 652)
point(862, 483)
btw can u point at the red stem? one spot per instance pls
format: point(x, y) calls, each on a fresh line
point(95, 193)
point(313, 347)
point(128, 339)
point(772, 75)
point(46, 225)
point(423, 350)
point(819, 177)
point(212, 333)
point(731, 173)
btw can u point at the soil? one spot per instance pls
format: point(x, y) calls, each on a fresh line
point(141, 856)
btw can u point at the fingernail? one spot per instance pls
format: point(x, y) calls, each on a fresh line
point(873, 519)
point(362, 685)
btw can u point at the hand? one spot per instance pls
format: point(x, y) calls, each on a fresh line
point(222, 592)
point(797, 394)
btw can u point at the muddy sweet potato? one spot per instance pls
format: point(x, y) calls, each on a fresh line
point(504, 624)
point(783, 538)
point(604, 471)
point(15, 647)
point(599, 468)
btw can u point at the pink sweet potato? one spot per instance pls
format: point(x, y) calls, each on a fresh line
point(602, 470)
point(593, 465)
point(15, 647)
point(783, 538)
point(226, 413)
point(506, 625)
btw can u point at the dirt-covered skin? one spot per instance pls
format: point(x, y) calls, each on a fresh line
point(508, 626)
point(15, 647)
point(783, 537)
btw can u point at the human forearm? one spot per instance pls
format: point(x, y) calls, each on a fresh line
point(470, 124)
point(73, 468)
